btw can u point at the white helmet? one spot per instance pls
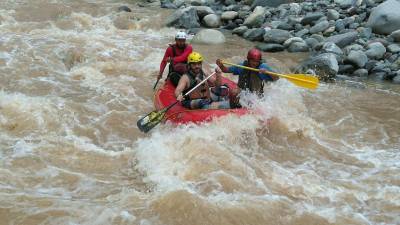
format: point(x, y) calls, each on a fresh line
point(181, 35)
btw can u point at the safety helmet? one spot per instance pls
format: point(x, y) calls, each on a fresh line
point(194, 57)
point(254, 54)
point(181, 35)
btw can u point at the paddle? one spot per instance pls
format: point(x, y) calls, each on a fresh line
point(302, 80)
point(151, 120)
point(155, 85)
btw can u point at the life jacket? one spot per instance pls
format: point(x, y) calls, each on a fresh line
point(200, 92)
point(251, 81)
point(171, 65)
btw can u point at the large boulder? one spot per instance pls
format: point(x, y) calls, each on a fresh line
point(209, 36)
point(211, 20)
point(325, 65)
point(276, 36)
point(385, 18)
point(343, 40)
point(256, 18)
point(184, 18)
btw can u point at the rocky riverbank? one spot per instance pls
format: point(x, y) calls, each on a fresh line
point(348, 37)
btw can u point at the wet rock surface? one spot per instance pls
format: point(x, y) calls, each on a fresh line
point(354, 38)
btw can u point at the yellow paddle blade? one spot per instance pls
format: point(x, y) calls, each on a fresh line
point(302, 80)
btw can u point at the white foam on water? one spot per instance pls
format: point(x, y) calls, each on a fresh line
point(22, 149)
point(27, 114)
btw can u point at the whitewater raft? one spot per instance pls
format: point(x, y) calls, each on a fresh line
point(178, 114)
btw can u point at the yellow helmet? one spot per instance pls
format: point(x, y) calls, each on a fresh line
point(194, 57)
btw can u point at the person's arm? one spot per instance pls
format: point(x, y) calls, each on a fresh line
point(164, 61)
point(232, 69)
point(265, 76)
point(182, 85)
point(215, 80)
point(183, 57)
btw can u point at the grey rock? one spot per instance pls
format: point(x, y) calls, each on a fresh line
point(298, 47)
point(212, 21)
point(256, 18)
point(167, 4)
point(312, 42)
point(255, 34)
point(371, 64)
point(229, 15)
point(240, 30)
point(320, 38)
point(339, 25)
point(319, 27)
point(325, 65)
point(396, 79)
point(357, 58)
point(196, 2)
point(203, 11)
point(124, 9)
point(239, 21)
point(178, 3)
point(230, 26)
point(301, 33)
point(343, 40)
point(361, 73)
point(365, 32)
point(184, 18)
point(294, 9)
point(346, 69)
point(289, 41)
point(376, 50)
point(311, 17)
point(270, 3)
point(276, 36)
point(209, 36)
point(385, 18)
point(329, 47)
point(333, 14)
point(394, 48)
point(270, 47)
point(349, 48)
point(395, 35)
point(354, 26)
point(328, 32)
point(343, 3)
point(284, 26)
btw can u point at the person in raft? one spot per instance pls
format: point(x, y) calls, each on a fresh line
point(249, 80)
point(203, 97)
point(176, 55)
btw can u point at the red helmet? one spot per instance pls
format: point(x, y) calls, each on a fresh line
point(254, 54)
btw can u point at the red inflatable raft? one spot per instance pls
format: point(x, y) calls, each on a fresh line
point(165, 96)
